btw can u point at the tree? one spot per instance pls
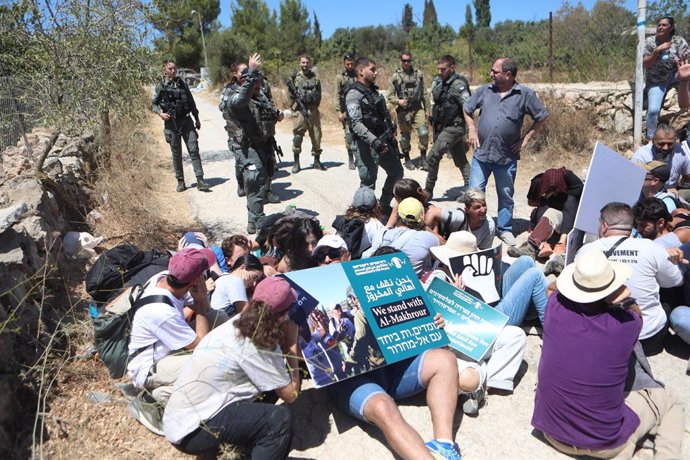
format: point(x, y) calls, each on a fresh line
point(656, 10)
point(341, 42)
point(293, 28)
point(317, 31)
point(483, 13)
point(429, 19)
point(468, 28)
point(253, 21)
point(181, 37)
point(407, 22)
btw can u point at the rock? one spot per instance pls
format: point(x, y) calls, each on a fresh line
point(10, 215)
point(622, 121)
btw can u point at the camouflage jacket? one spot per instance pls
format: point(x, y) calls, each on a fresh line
point(310, 87)
point(408, 86)
point(342, 81)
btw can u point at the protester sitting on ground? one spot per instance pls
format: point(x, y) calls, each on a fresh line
point(361, 221)
point(664, 147)
point(234, 247)
point(407, 188)
point(523, 288)
point(198, 240)
point(371, 397)
point(502, 362)
point(590, 335)
point(653, 267)
point(235, 288)
point(408, 236)
point(214, 401)
point(653, 222)
point(291, 241)
point(331, 249)
point(555, 196)
point(160, 335)
point(657, 175)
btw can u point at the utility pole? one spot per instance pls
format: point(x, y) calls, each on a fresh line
point(639, 72)
point(203, 41)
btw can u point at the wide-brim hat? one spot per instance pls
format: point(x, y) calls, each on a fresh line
point(458, 244)
point(592, 277)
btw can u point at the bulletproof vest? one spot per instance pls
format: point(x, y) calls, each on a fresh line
point(309, 87)
point(409, 86)
point(373, 106)
point(267, 113)
point(245, 123)
point(447, 109)
point(175, 98)
point(347, 81)
point(229, 89)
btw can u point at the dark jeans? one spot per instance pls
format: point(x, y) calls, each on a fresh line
point(265, 428)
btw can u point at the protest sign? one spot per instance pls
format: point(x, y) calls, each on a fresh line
point(357, 316)
point(472, 326)
point(481, 273)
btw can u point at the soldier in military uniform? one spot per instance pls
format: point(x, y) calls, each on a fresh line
point(373, 131)
point(173, 102)
point(308, 86)
point(235, 72)
point(342, 81)
point(450, 91)
point(246, 126)
point(411, 103)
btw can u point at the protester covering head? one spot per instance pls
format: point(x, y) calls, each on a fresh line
point(188, 264)
point(592, 277)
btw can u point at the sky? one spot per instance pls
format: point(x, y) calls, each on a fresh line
point(358, 13)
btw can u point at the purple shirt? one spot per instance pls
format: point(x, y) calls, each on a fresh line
point(580, 398)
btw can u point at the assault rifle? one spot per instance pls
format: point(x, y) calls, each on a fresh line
point(299, 99)
point(277, 150)
point(388, 137)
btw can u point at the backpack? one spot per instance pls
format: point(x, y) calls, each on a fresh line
point(352, 231)
point(115, 267)
point(112, 328)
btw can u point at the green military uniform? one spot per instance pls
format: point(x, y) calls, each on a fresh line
point(448, 123)
point(369, 119)
point(247, 128)
point(342, 81)
point(174, 98)
point(309, 86)
point(410, 86)
point(233, 146)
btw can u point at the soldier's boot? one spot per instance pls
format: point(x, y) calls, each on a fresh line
point(241, 191)
point(295, 167)
point(271, 197)
point(422, 162)
point(408, 163)
point(350, 160)
point(202, 185)
point(317, 164)
point(251, 228)
point(180, 186)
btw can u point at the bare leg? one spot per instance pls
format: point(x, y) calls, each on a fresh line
point(440, 376)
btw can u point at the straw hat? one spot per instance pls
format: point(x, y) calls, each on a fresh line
point(459, 243)
point(592, 277)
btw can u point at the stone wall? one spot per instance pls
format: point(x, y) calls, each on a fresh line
point(36, 209)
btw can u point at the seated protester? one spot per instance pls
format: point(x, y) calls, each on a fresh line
point(234, 288)
point(653, 268)
point(502, 362)
point(371, 397)
point(160, 335)
point(523, 288)
point(292, 240)
point(408, 188)
point(198, 240)
point(470, 216)
point(657, 175)
point(361, 221)
point(408, 236)
point(588, 353)
point(331, 249)
point(214, 399)
point(664, 147)
point(234, 247)
point(555, 196)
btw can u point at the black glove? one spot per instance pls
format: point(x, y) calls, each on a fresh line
point(378, 145)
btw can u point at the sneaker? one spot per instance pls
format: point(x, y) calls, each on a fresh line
point(181, 187)
point(296, 168)
point(351, 164)
point(202, 185)
point(555, 265)
point(251, 228)
point(409, 165)
point(148, 412)
point(508, 238)
point(273, 198)
point(318, 165)
point(445, 450)
point(241, 192)
point(525, 249)
point(474, 400)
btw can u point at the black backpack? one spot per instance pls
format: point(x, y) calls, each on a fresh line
point(115, 267)
point(352, 232)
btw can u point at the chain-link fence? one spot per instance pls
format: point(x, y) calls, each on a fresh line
point(16, 117)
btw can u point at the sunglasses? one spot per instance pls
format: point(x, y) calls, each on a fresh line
point(405, 60)
point(332, 253)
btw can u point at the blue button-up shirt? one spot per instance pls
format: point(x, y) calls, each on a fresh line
point(500, 120)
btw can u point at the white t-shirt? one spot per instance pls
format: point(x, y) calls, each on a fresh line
point(371, 227)
point(229, 289)
point(651, 270)
point(223, 369)
point(160, 328)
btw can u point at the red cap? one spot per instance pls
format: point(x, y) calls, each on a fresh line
point(276, 292)
point(188, 264)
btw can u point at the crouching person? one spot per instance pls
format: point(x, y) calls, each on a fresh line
point(590, 352)
point(214, 400)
